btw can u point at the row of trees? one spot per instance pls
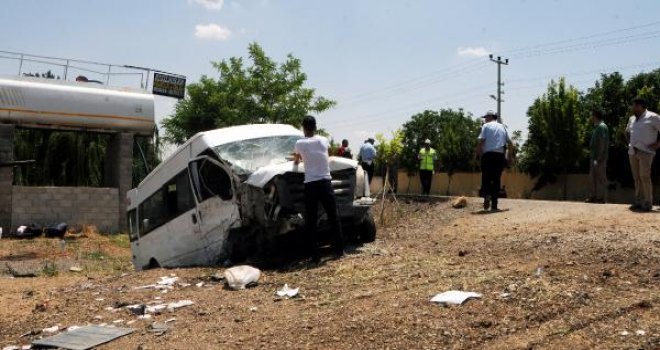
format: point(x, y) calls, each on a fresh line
point(559, 125)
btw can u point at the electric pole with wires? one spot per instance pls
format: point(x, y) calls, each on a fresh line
point(499, 100)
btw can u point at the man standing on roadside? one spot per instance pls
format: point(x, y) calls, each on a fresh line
point(493, 140)
point(366, 158)
point(599, 147)
point(427, 158)
point(642, 132)
point(313, 152)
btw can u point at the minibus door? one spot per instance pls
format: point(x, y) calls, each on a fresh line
point(217, 209)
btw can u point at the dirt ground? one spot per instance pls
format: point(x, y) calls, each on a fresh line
point(553, 275)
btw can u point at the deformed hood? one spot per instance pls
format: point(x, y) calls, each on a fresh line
point(263, 175)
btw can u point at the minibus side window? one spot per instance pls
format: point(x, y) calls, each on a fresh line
point(213, 181)
point(172, 200)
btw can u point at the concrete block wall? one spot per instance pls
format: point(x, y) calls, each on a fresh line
point(77, 206)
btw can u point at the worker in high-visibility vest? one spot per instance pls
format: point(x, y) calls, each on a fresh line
point(427, 158)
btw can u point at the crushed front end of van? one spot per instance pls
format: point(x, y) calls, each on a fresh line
point(272, 197)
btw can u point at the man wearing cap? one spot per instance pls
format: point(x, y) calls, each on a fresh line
point(366, 157)
point(493, 140)
point(642, 133)
point(427, 158)
point(313, 151)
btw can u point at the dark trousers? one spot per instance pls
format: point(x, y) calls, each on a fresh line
point(426, 177)
point(369, 169)
point(315, 192)
point(492, 165)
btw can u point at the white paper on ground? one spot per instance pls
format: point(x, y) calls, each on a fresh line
point(288, 292)
point(454, 297)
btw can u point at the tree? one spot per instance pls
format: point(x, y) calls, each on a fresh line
point(453, 134)
point(557, 124)
point(388, 153)
point(263, 92)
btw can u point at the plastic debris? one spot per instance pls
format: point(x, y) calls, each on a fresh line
point(179, 304)
point(155, 309)
point(199, 285)
point(75, 269)
point(287, 292)
point(625, 333)
point(242, 276)
point(640, 332)
point(52, 329)
point(454, 297)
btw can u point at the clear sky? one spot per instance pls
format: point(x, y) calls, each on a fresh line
point(382, 61)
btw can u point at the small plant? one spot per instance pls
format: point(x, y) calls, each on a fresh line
point(49, 269)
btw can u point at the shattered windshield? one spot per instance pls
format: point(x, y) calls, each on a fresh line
point(246, 156)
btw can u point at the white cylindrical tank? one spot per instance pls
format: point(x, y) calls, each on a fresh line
point(34, 102)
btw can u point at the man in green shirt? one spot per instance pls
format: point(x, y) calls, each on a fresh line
point(599, 146)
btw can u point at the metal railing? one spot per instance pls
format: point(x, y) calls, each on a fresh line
point(107, 72)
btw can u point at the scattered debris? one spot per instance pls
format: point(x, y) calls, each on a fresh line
point(75, 269)
point(83, 338)
point(164, 283)
point(137, 309)
point(242, 276)
point(155, 309)
point(159, 328)
point(144, 317)
point(640, 332)
point(287, 292)
point(253, 309)
point(58, 230)
point(52, 329)
point(458, 203)
point(199, 285)
point(454, 297)
point(625, 333)
point(179, 304)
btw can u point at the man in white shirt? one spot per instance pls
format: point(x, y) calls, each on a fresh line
point(493, 140)
point(642, 132)
point(313, 152)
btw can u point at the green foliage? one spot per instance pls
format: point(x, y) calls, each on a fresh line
point(453, 134)
point(554, 130)
point(388, 151)
point(263, 92)
point(557, 124)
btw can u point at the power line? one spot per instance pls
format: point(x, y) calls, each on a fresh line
point(535, 50)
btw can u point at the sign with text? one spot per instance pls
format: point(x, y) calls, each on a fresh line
point(169, 85)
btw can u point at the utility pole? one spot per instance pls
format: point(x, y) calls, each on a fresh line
point(499, 100)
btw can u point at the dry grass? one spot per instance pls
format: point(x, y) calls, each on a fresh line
point(599, 275)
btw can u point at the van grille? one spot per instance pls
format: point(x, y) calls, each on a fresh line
point(291, 189)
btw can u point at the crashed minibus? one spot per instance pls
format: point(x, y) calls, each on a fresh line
point(225, 192)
